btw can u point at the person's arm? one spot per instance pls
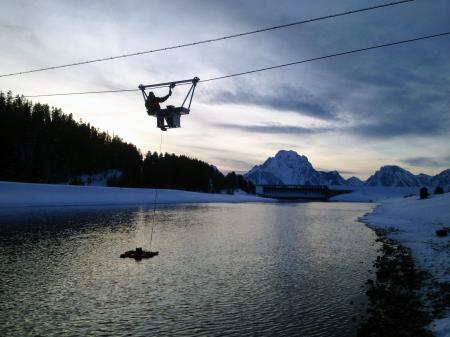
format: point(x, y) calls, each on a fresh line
point(163, 99)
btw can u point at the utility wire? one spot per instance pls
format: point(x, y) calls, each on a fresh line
point(209, 40)
point(266, 68)
point(326, 56)
point(97, 92)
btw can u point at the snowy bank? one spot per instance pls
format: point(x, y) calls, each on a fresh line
point(415, 223)
point(372, 193)
point(27, 194)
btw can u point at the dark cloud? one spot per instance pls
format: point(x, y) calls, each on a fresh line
point(399, 91)
point(427, 161)
point(279, 98)
point(275, 129)
point(404, 103)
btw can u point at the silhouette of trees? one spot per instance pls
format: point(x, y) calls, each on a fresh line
point(424, 193)
point(41, 144)
point(439, 190)
point(44, 145)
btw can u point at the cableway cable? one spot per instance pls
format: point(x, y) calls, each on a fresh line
point(190, 44)
point(266, 68)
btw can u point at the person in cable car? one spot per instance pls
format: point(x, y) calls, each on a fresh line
point(153, 107)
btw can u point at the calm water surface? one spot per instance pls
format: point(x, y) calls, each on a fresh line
point(223, 269)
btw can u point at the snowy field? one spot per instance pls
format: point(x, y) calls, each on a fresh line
point(373, 193)
point(416, 222)
point(27, 194)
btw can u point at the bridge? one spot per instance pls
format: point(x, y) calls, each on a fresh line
point(292, 192)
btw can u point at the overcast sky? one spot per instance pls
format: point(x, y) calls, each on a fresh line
point(352, 113)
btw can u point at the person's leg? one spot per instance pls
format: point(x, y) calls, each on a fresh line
point(160, 121)
point(169, 119)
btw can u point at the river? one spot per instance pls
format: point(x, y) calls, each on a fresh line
point(264, 269)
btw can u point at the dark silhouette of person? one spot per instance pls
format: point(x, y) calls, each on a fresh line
point(153, 107)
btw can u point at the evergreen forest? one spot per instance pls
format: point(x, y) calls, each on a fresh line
point(41, 144)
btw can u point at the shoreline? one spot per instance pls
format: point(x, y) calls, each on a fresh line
point(19, 194)
point(395, 306)
point(413, 262)
point(15, 195)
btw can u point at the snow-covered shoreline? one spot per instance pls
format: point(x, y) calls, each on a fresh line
point(372, 193)
point(414, 223)
point(14, 194)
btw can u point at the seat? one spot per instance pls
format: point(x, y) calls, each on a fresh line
point(171, 114)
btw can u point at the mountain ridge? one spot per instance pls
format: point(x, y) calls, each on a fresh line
point(288, 167)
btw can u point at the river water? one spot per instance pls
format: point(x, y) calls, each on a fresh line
point(254, 269)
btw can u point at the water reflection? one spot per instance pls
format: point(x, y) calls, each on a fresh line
point(223, 269)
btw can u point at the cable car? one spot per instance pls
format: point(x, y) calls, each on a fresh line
point(169, 117)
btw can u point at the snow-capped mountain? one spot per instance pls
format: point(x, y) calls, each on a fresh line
point(442, 179)
point(354, 181)
point(391, 175)
point(290, 168)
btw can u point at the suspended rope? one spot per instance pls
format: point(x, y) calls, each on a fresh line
point(155, 200)
point(353, 51)
point(207, 41)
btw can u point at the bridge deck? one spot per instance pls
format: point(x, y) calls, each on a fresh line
point(313, 192)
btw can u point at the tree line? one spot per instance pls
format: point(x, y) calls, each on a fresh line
point(41, 144)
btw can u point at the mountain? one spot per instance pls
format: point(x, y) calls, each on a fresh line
point(392, 175)
point(424, 179)
point(332, 178)
point(354, 181)
point(442, 179)
point(290, 168)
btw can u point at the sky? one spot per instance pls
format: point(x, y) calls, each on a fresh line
point(352, 113)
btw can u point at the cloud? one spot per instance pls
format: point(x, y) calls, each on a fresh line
point(411, 109)
point(381, 96)
point(275, 129)
point(279, 98)
point(338, 170)
point(427, 161)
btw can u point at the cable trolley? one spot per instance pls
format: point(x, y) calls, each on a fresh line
point(169, 117)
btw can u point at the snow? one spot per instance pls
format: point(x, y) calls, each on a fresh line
point(99, 179)
point(372, 193)
point(28, 194)
point(416, 222)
